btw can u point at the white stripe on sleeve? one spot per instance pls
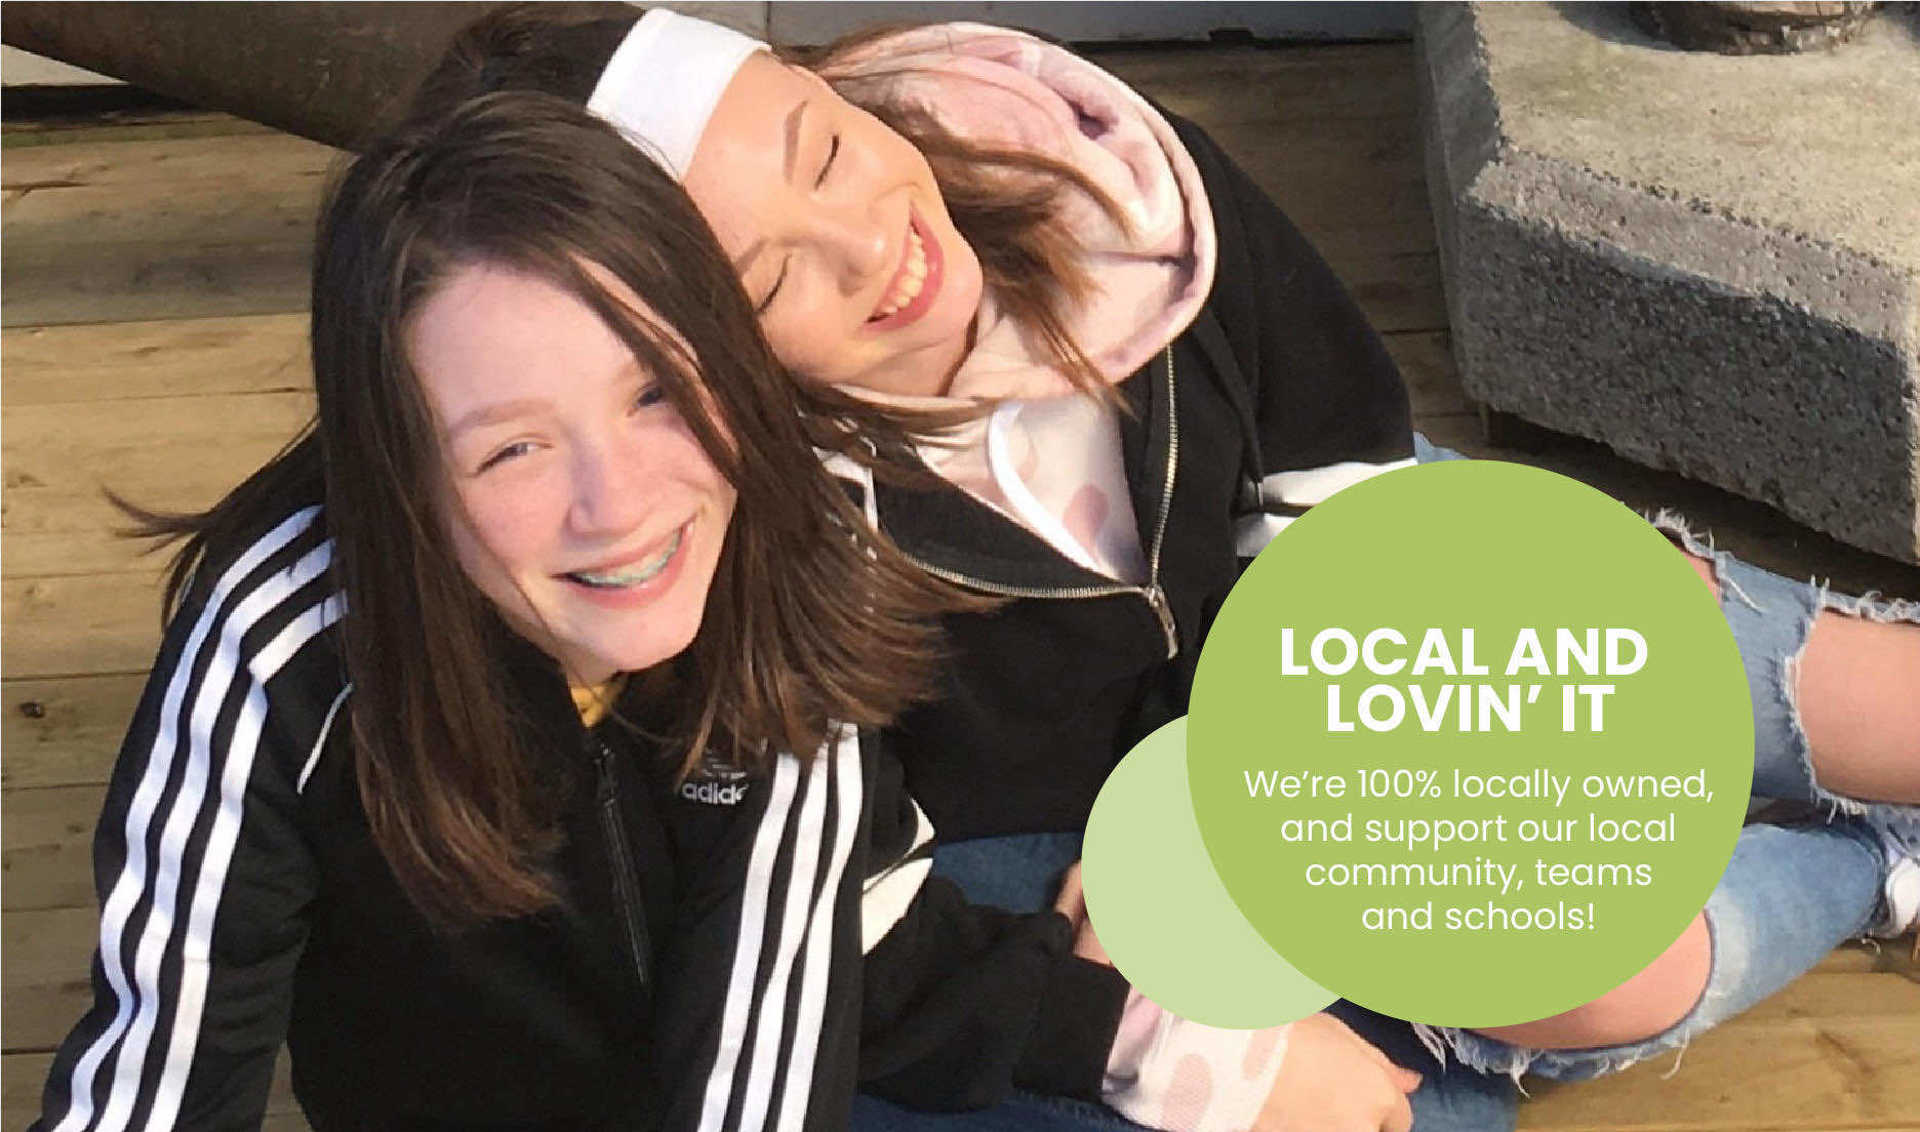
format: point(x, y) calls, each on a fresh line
point(803, 917)
point(767, 1047)
point(849, 786)
point(320, 740)
point(1305, 488)
point(198, 951)
point(746, 955)
point(886, 898)
point(1252, 533)
point(1309, 486)
point(134, 879)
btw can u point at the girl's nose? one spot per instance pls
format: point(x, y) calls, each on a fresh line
point(610, 491)
point(856, 245)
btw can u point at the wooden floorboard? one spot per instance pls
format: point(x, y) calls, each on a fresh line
point(177, 453)
point(125, 125)
point(1839, 1048)
point(160, 229)
point(154, 343)
point(253, 160)
point(80, 625)
point(119, 361)
point(1333, 142)
point(45, 976)
point(46, 984)
point(64, 731)
point(46, 837)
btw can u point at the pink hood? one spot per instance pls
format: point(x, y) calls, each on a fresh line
point(1005, 87)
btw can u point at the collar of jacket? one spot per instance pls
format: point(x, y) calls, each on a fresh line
point(544, 701)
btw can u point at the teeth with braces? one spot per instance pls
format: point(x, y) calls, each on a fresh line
point(911, 280)
point(618, 579)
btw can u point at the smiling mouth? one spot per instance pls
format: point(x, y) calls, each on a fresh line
point(915, 282)
point(635, 575)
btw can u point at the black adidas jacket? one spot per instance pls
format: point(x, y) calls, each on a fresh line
point(704, 972)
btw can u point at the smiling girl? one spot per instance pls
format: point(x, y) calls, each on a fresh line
point(840, 233)
point(603, 577)
point(461, 766)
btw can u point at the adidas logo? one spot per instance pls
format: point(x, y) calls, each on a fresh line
point(715, 793)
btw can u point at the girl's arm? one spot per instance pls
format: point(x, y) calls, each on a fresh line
point(965, 1002)
point(202, 869)
point(813, 954)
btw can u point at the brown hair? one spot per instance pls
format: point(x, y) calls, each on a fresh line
point(810, 617)
point(1006, 203)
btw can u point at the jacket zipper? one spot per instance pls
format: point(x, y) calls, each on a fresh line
point(626, 887)
point(1151, 593)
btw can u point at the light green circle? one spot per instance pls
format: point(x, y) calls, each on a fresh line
point(1426, 933)
point(1160, 909)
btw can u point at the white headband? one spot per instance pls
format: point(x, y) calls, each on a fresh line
point(664, 80)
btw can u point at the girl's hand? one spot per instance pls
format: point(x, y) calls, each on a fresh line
point(1332, 1080)
point(1072, 903)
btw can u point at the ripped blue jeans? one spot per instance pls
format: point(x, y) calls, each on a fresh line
point(1790, 893)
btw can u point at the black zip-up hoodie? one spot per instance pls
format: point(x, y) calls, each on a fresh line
point(1279, 390)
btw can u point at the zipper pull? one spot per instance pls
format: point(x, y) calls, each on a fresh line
point(603, 769)
point(626, 886)
point(1157, 601)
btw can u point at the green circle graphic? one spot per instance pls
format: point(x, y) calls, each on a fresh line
point(1470, 743)
point(1159, 907)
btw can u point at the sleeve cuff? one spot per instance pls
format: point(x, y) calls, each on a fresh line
point(1073, 1030)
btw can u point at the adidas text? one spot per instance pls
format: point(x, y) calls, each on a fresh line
point(714, 793)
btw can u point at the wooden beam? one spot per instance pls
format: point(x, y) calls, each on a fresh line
point(330, 71)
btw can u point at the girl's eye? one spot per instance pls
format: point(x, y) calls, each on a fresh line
point(833, 152)
point(511, 451)
point(652, 395)
point(774, 290)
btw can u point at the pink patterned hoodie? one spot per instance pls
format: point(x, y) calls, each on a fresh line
point(1046, 457)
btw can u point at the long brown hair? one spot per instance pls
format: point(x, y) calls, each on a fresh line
point(810, 617)
point(1006, 203)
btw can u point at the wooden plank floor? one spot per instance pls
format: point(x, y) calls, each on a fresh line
point(154, 344)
